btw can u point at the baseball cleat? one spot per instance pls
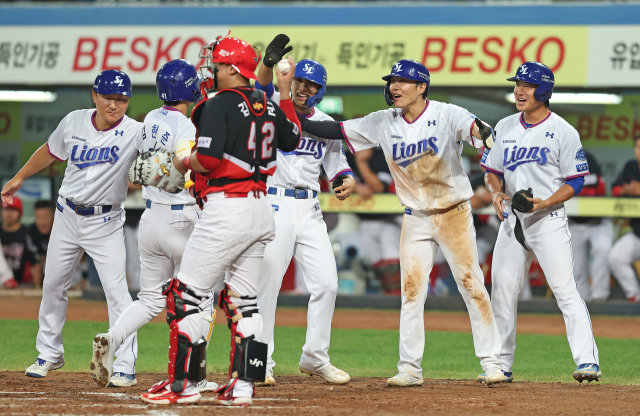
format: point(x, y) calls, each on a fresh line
point(225, 399)
point(102, 359)
point(269, 381)
point(589, 372)
point(330, 373)
point(169, 397)
point(122, 380)
point(41, 367)
point(494, 376)
point(404, 380)
point(204, 386)
point(482, 378)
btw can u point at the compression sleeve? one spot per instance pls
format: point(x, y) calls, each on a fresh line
point(268, 89)
point(289, 111)
point(576, 183)
point(331, 130)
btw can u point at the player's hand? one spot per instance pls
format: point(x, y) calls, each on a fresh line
point(364, 191)
point(10, 189)
point(498, 204)
point(284, 81)
point(538, 204)
point(276, 50)
point(348, 186)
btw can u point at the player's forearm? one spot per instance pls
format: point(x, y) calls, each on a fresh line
point(265, 75)
point(326, 129)
point(189, 162)
point(39, 160)
point(563, 194)
point(492, 183)
point(370, 178)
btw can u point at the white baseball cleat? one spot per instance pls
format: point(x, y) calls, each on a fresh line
point(204, 385)
point(269, 381)
point(404, 380)
point(495, 375)
point(330, 373)
point(102, 359)
point(119, 379)
point(41, 367)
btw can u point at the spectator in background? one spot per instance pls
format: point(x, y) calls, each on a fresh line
point(39, 233)
point(17, 246)
point(627, 249)
point(6, 275)
point(380, 232)
point(592, 237)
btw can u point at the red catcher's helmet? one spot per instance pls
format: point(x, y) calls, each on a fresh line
point(235, 52)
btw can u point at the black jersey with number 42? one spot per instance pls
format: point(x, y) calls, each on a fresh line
point(243, 129)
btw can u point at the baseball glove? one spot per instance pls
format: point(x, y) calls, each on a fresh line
point(276, 50)
point(487, 133)
point(519, 202)
point(155, 168)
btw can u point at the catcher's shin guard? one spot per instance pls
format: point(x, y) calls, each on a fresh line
point(248, 356)
point(187, 359)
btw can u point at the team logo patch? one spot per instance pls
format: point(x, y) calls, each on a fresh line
point(580, 154)
point(582, 167)
point(257, 106)
point(485, 154)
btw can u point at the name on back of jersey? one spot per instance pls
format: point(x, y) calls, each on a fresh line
point(404, 154)
point(86, 156)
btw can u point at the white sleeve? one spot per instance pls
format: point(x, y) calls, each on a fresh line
point(56, 144)
point(335, 161)
point(139, 137)
point(364, 133)
point(492, 160)
point(573, 160)
point(462, 121)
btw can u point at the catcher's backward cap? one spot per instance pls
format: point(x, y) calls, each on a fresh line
point(312, 71)
point(409, 69)
point(537, 74)
point(112, 81)
point(178, 80)
point(237, 53)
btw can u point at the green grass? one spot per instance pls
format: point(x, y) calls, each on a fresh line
point(361, 352)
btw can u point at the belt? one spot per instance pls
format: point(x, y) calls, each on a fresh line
point(82, 210)
point(297, 193)
point(176, 207)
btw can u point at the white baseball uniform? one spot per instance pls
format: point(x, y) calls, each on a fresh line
point(302, 233)
point(89, 218)
point(541, 156)
point(165, 225)
point(424, 158)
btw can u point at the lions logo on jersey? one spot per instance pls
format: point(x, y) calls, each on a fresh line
point(517, 156)
point(89, 156)
point(405, 154)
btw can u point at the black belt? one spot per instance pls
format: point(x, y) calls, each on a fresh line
point(82, 210)
point(176, 207)
point(228, 181)
point(297, 193)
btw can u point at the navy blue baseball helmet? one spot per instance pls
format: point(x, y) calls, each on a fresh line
point(312, 71)
point(407, 69)
point(112, 81)
point(178, 80)
point(537, 74)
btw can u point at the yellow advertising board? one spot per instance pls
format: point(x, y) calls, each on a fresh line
point(455, 55)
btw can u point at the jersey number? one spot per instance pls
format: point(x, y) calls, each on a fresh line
point(268, 130)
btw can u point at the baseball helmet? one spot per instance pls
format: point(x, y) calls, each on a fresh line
point(112, 81)
point(407, 69)
point(178, 80)
point(232, 51)
point(312, 71)
point(537, 74)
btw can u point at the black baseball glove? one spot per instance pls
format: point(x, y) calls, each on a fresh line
point(487, 133)
point(276, 50)
point(519, 202)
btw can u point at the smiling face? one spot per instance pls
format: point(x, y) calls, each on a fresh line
point(110, 108)
point(523, 93)
point(406, 92)
point(301, 89)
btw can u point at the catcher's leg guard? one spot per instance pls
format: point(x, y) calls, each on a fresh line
point(248, 356)
point(187, 359)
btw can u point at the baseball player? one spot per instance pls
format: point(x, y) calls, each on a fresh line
point(300, 229)
point(626, 250)
point(592, 238)
point(537, 149)
point(99, 145)
point(168, 219)
point(239, 132)
point(422, 142)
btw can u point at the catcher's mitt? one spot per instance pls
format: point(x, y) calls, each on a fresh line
point(519, 202)
point(155, 168)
